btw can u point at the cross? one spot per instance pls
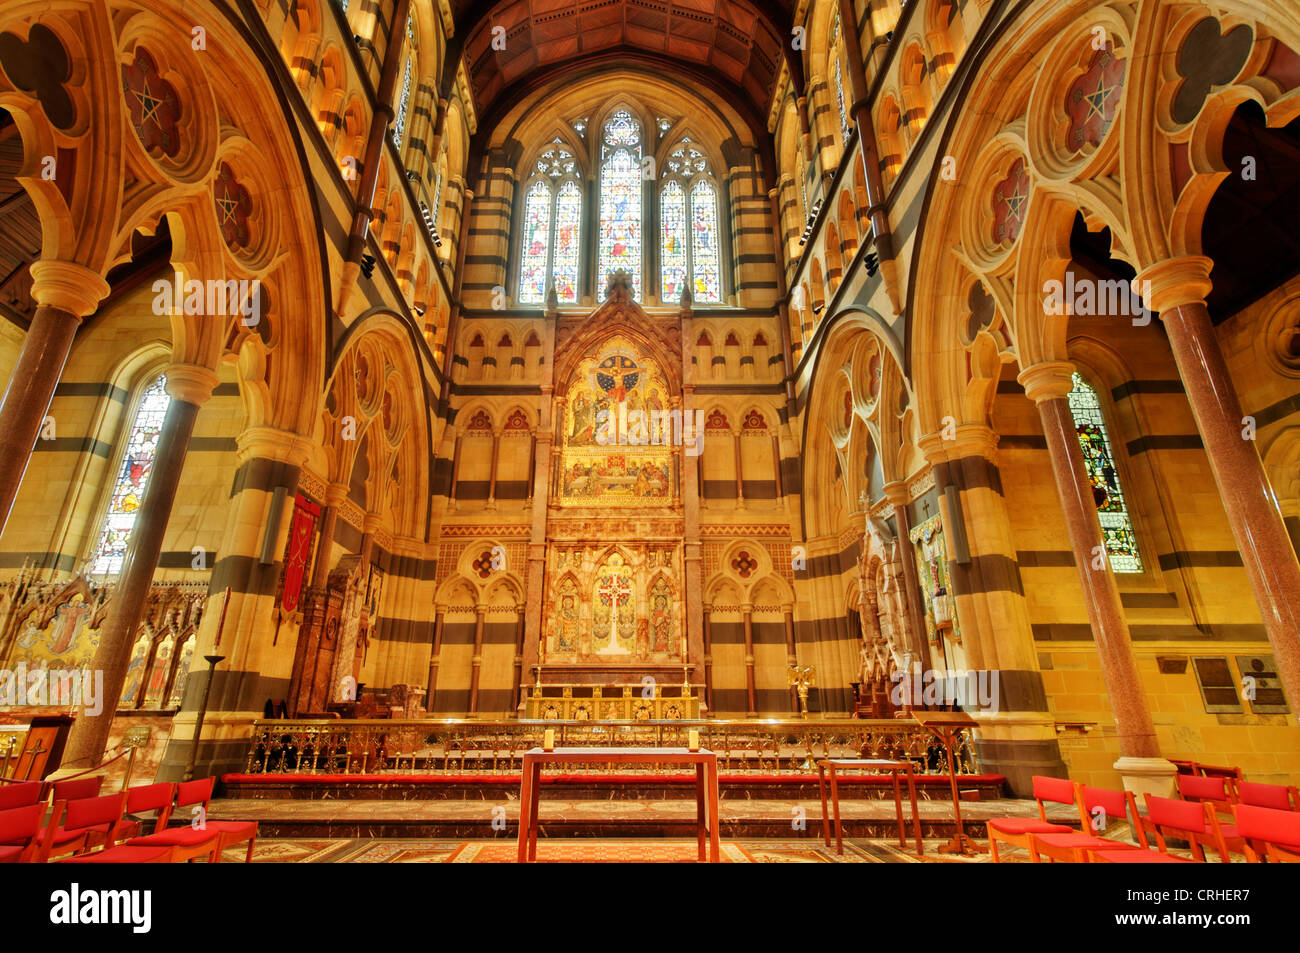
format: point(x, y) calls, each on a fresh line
point(615, 590)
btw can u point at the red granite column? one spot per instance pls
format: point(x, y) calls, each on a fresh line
point(492, 478)
point(791, 654)
point(518, 696)
point(708, 660)
point(751, 694)
point(190, 387)
point(476, 662)
point(1177, 290)
point(1047, 385)
point(64, 293)
point(438, 617)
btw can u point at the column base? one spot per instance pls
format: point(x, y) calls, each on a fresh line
point(1147, 776)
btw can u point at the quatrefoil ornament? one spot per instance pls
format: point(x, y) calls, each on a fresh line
point(153, 105)
point(484, 564)
point(744, 564)
point(1208, 58)
point(39, 66)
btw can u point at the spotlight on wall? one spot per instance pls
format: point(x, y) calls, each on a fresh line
point(819, 309)
point(872, 261)
point(368, 265)
point(419, 310)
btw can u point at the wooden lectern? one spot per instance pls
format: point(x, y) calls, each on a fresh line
point(947, 727)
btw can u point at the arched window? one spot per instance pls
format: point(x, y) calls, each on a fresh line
point(620, 199)
point(552, 228)
point(688, 221)
point(1099, 461)
point(403, 104)
point(132, 479)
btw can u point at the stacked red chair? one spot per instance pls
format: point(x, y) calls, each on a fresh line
point(1193, 821)
point(1272, 833)
point(1019, 831)
point(1099, 809)
point(75, 827)
point(20, 831)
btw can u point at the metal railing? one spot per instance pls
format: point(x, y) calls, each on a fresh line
point(355, 747)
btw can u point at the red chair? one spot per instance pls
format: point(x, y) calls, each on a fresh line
point(1019, 831)
point(188, 841)
point(1193, 821)
point(232, 832)
point(142, 800)
point(19, 795)
point(90, 822)
point(126, 854)
point(1136, 857)
point(1279, 797)
point(1218, 771)
point(1073, 848)
point(1277, 831)
point(1216, 790)
point(20, 831)
point(76, 789)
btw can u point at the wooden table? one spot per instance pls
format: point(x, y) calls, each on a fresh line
point(947, 726)
point(895, 768)
point(706, 786)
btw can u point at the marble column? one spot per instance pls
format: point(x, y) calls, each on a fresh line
point(492, 477)
point(740, 477)
point(190, 386)
point(476, 661)
point(64, 293)
point(518, 687)
point(435, 652)
point(708, 660)
point(751, 694)
point(1047, 385)
point(1177, 290)
point(791, 654)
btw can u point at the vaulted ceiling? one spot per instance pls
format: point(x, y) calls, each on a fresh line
point(736, 45)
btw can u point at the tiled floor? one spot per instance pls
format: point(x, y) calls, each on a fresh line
point(585, 850)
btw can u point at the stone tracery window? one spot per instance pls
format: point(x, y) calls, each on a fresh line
point(552, 228)
point(132, 480)
point(688, 223)
point(1099, 461)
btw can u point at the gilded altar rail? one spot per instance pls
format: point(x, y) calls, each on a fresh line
point(380, 746)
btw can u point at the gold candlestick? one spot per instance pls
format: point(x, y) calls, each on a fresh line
point(801, 679)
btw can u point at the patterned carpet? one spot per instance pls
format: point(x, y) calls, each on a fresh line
point(587, 851)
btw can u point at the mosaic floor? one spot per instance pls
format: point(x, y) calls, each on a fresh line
point(586, 850)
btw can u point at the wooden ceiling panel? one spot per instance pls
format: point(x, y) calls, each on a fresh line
point(735, 39)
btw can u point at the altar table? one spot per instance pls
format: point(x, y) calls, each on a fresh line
point(706, 786)
point(829, 765)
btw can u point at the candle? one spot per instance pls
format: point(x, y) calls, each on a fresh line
point(548, 739)
point(693, 739)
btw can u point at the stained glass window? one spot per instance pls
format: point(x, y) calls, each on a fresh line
point(542, 260)
point(568, 230)
point(672, 219)
point(837, 73)
point(1099, 461)
point(536, 243)
point(704, 241)
point(689, 258)
point(620, 199)
point(132, 479)
point(399, 127)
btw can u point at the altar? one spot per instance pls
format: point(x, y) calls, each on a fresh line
point(647, 692)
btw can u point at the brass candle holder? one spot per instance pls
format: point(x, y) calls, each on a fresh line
point(801, 679)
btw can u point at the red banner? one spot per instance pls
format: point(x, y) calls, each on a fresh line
point(298, 554)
